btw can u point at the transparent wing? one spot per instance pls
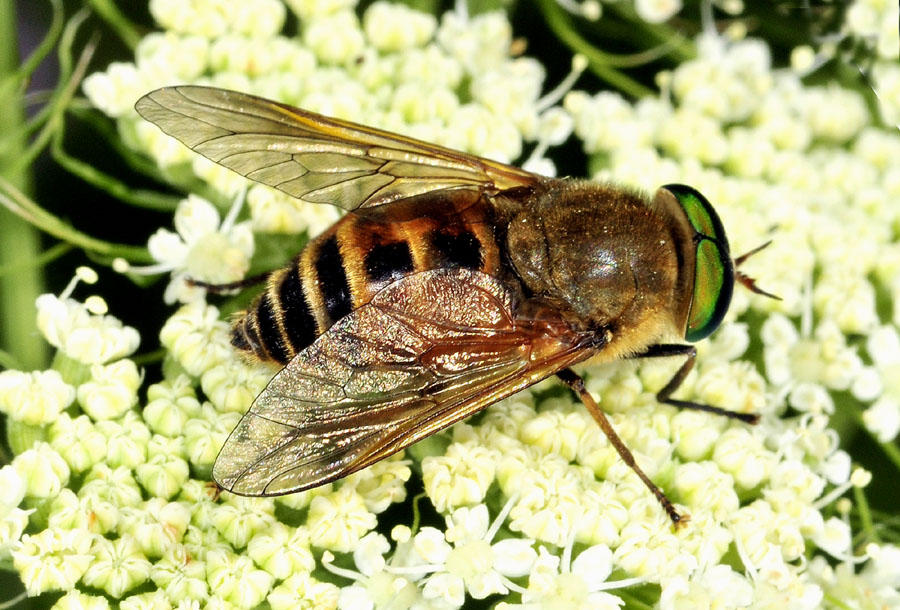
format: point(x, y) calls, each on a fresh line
point(316, 158)
point(427, 351)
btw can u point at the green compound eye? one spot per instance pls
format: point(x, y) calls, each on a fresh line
point(714, 272)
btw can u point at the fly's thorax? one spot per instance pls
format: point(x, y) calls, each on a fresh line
point(607, 255)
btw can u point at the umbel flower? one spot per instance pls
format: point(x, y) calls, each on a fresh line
point(528, 505)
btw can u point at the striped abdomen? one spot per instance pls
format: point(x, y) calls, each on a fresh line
point(344, 267)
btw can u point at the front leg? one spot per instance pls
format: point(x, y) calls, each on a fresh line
point(667, 350)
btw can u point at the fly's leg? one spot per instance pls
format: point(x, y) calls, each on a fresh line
point(665, 395)
point(253, 280)
point(576, 384)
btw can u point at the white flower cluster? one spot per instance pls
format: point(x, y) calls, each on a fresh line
point(874, 23)
point(91, 362)
point(34, 398)
point(119, 506)
point(202, 248)
point(435, 568)
point(13, 519)
point(81, 334)
point(538, 508)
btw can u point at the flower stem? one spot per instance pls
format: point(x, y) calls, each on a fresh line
point(142, 198)
point(8, 361)
point(837, 603)
point(48, 256)
point(21, 241)
point(865, 514)
point(633, 602)
point(73, 372)
point(20, 437)
point(598, 61)
point(40, 52)
point(149, 358)
point(119, 23)
point(892, 452)
point(417, 516)
point(15, 201)
point(15, 601)
point(682, 48)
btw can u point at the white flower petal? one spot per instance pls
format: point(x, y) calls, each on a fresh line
point(514, 557)
point(355, 597)
point(466, 524)
point(369, 553)
point(445, 588)
point(167, 248)
point(431, 546)
point(594, 565)
point(194, 218)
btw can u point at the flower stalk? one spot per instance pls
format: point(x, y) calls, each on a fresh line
point(21, 240)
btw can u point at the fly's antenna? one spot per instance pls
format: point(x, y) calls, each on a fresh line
point(748, 281)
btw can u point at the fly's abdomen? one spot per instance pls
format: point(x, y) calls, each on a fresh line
point(346, 266)
point(279, 323)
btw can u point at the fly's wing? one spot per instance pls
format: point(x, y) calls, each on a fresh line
point(425, 352)
point(316, 158)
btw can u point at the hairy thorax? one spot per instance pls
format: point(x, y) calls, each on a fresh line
point(607, 257)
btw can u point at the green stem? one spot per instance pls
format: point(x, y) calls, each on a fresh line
point(21, 436)
point(15, 601)
point(48, 256)
point(865, 514)
point(7, 362)
point(61, 98)
point(21, 242)
point(599, 62)
point(119, 23)
point(73, 372)
point(682, 48)
point(15, 201)
point(417, 515)
point(141, 198)
point(27, 68)
point(892, 452)
point(631, 601)
point(837, 603)
point(153, 357)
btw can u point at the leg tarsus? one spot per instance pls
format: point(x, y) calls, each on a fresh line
point(214, 490)
point(576, 384)
point(664, 396)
